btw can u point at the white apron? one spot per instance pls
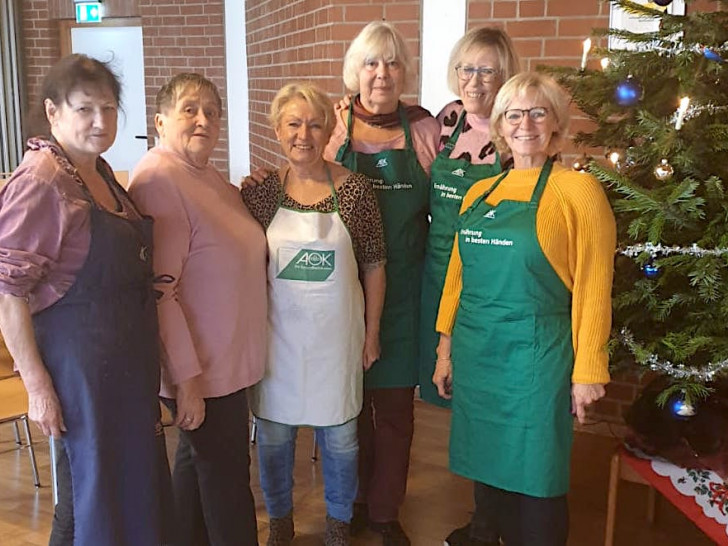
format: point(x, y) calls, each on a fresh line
point(315, 322)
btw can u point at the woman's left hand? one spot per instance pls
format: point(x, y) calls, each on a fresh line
point(584, 395)
point(372, 351)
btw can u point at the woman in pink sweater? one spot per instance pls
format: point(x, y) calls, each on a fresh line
point(210, 267)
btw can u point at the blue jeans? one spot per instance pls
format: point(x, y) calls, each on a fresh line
point(276, 451)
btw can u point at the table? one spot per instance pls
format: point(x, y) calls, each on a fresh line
point(701, 495)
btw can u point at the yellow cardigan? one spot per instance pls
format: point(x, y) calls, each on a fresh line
point(576, 230)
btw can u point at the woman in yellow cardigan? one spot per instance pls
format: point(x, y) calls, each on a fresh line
point(526, 310)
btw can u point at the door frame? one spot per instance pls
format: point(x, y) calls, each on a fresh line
point(66, 25)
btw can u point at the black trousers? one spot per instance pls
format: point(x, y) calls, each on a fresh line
point(211, 477)
point(62, 527)
point(520, 520)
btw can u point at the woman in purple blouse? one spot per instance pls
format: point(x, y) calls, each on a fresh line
point(78, 314)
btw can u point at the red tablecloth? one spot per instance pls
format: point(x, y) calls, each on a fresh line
point(701, 495)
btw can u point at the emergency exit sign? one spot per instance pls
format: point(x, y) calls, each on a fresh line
point(88, 12)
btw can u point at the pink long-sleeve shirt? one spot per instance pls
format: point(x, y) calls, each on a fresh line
point(210, 267)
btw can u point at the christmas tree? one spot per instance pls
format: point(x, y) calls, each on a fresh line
point(660, 113)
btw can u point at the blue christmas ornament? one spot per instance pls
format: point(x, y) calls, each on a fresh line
point(628, 92)
point(650, 270)
point(712, 55)
point(680, 408)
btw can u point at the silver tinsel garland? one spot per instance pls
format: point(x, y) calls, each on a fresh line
point(659, 250)
point(704, 374)
point(697, 109)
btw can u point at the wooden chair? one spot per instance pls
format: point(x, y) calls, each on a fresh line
point(122, 177)
point(619, 470)
point(4, 177)
point(14, 407)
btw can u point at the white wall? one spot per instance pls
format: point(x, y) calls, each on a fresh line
point(236, 56)
point(443, 24)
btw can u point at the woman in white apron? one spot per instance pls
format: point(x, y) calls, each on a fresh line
point(326, 291)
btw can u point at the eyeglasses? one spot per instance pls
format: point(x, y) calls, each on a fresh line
point(537, 114)
point(486, 73)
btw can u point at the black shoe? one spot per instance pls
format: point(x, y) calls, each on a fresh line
point(461, 537)
point(359, 518)
point(392, 533)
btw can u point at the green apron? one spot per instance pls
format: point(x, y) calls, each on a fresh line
point(512, 353)
point(451, 180)
point(402, 189)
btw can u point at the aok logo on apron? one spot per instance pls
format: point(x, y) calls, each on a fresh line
point(306, 264)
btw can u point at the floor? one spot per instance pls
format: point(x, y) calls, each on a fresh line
point(436, 501)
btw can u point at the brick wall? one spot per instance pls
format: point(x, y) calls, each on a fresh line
point(291, 40)
point(40, 47)
point(179, 35)
point(185, 36)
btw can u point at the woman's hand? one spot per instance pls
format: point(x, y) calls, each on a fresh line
point(256, 178)
point(190, 405)
point(372, 350)
point(44, 409)
point(584, 395)
point(343, 103)
point(442, 378)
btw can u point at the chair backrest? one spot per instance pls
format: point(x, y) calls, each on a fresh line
point(4, 177)
point(122, 177)
point(6, 361)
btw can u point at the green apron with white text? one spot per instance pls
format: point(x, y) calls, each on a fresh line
point(451, 180)
point(512, 353)
point(402, 189)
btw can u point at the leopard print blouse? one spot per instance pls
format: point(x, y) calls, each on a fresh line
point(357, 205)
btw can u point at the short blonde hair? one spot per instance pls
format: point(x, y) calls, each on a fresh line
point(378, 39)
point(481, 38)
point(548, 90)
point(314, 96)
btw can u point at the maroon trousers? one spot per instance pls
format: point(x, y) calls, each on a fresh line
point(386, 426)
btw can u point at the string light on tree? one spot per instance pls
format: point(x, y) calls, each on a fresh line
point(684, 103)
point(604, 63)
point(580, 164)
point(585, 52)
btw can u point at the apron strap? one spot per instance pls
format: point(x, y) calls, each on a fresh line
point(541, 184)
point(344, 148)
point(405, 125)
point(334, 194)
point(486, 193)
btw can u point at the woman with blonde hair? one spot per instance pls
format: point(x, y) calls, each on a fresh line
point(525, 317)
point(325, 291)
point(480, 62)
point(394, 144)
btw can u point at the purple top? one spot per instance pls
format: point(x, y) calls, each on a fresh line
point(45, 225)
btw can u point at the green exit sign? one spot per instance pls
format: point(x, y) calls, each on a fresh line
point(88, 12)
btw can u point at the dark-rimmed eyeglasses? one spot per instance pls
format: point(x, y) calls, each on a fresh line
point(514, 116)
point(485, 73)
